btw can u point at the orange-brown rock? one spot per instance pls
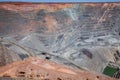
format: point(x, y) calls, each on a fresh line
point(32, 7)
point(40, 69)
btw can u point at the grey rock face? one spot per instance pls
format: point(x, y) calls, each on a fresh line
point(84, 35)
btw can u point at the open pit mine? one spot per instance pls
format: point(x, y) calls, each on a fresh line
point(59, 41)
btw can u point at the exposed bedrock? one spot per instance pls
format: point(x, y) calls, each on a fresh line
point(87, 35)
